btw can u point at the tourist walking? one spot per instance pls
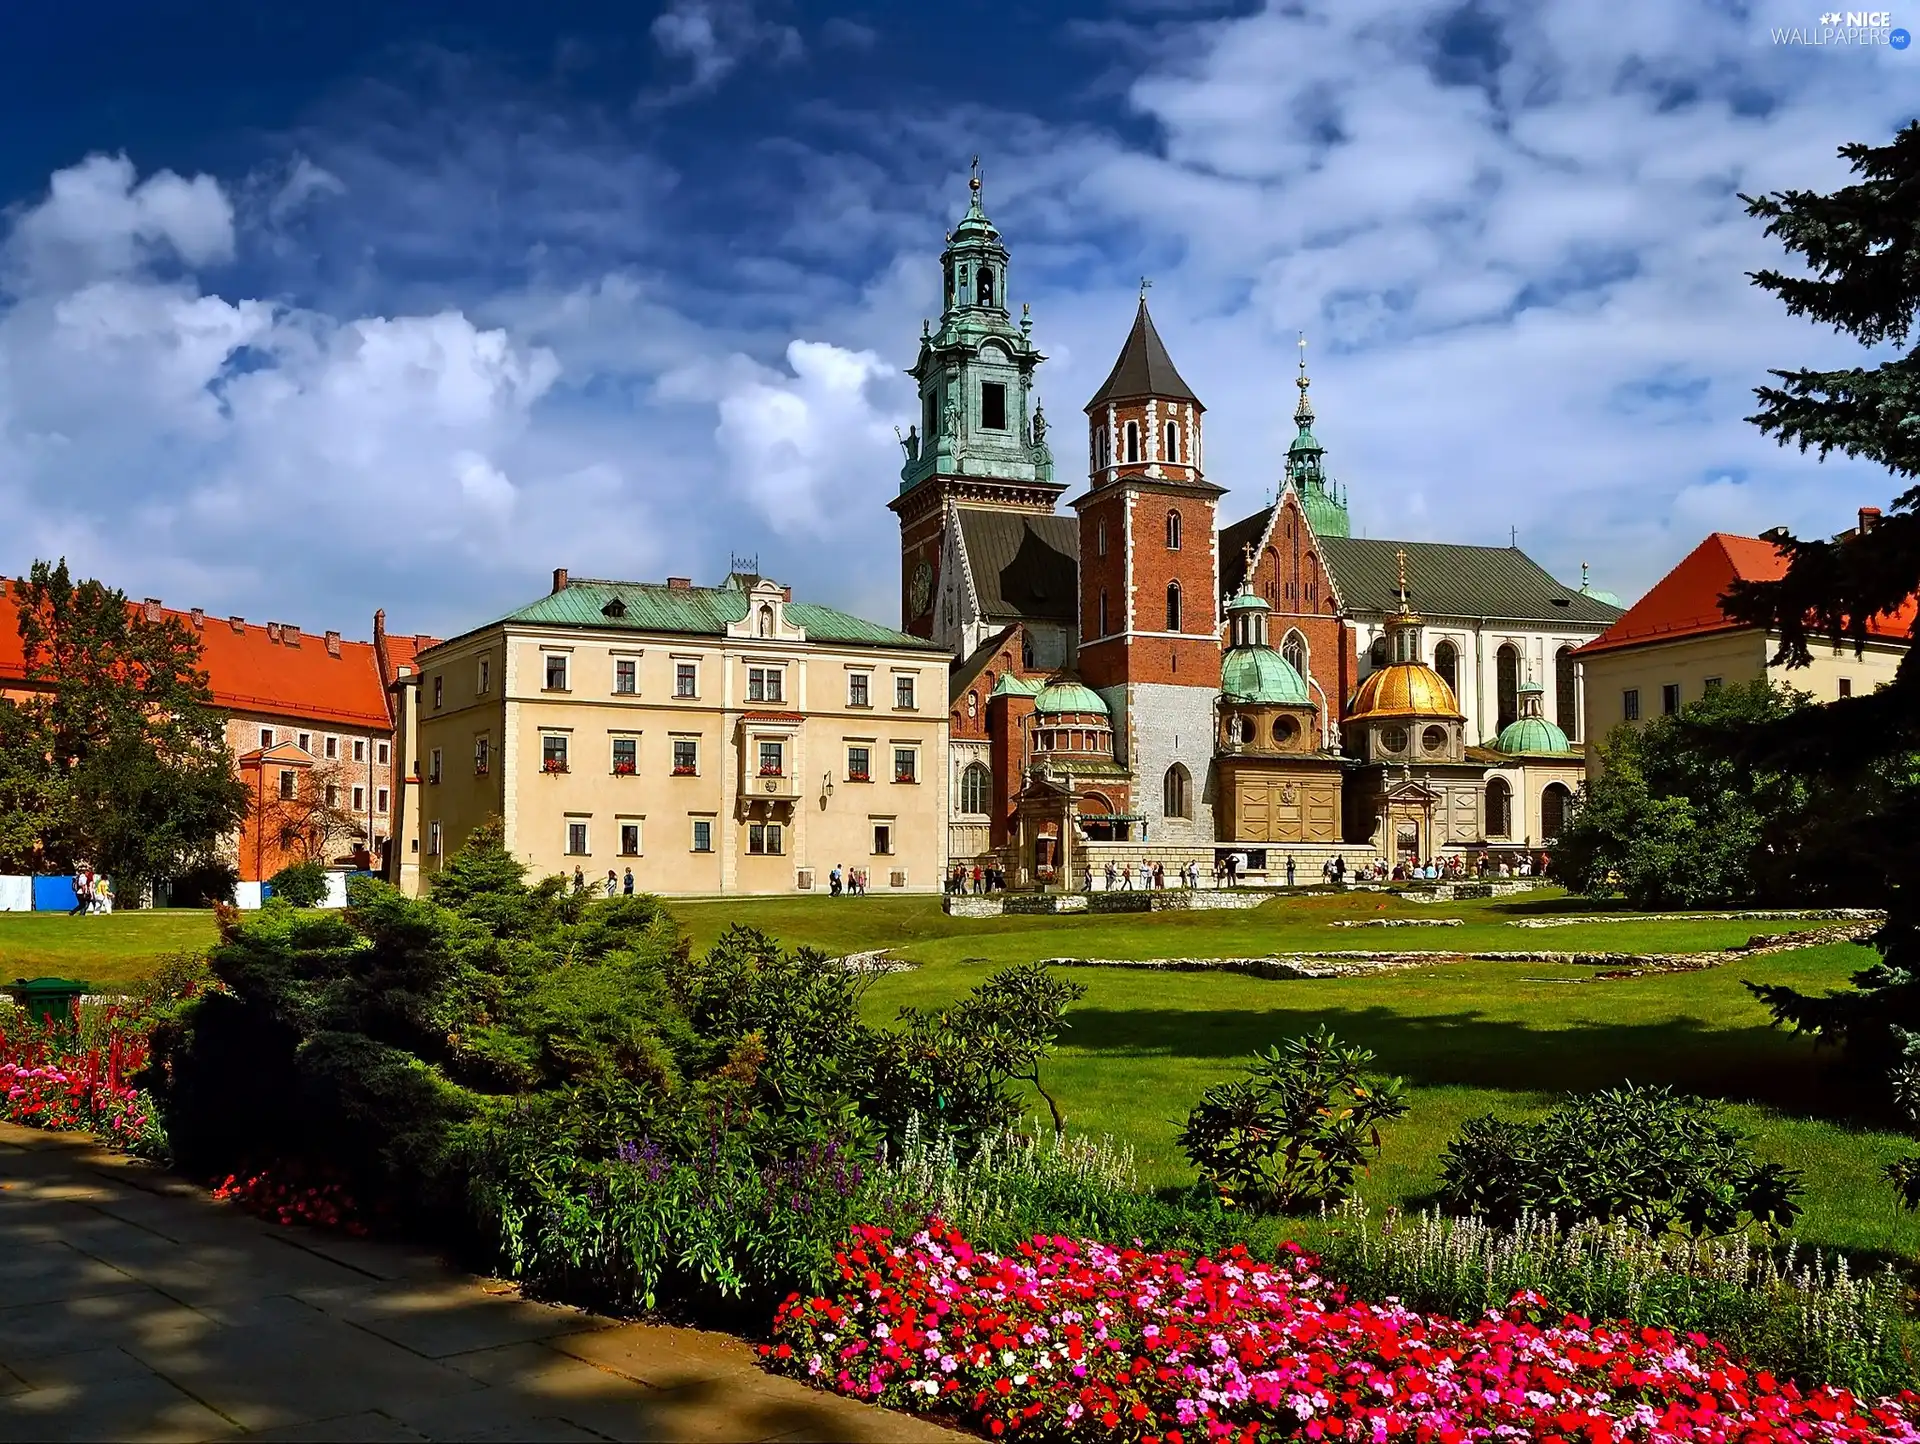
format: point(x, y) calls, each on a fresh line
point(82, 894)
point(626, 883)
point(833, 881)
point(613, 883)
point(1289, 869)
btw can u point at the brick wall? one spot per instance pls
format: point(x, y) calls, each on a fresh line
point(1289, 577)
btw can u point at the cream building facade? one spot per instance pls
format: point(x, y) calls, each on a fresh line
point(709, 740)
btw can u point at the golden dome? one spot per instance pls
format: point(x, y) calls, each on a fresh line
point(1406, 689)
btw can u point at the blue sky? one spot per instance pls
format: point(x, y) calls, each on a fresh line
point(306, 310)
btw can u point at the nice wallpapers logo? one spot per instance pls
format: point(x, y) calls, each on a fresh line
point(1846, 27)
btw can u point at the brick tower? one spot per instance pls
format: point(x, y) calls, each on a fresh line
point(1150, 583)
point(981, 440)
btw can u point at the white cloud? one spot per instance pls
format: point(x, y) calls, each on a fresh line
point(711, 37)
point(96, 221)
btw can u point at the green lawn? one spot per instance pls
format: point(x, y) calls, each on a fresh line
point(121, 948)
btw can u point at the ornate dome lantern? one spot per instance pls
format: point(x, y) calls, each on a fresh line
point(1406, 709)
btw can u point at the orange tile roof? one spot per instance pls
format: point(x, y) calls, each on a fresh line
point(281, 672)
point(1686, 601)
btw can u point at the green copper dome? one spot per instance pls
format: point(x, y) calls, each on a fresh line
point(1326, 513)
point(1529, 735)
point(1008, 685)
point(1245, 601)
point(1260, 674)
point(1069, 697)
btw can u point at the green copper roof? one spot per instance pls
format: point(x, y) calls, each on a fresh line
point(1069, 697)
point(1009, 685)
point(1260, 674)
point(1245, 601)
point(695, 611)
point(1325, 512)
point(1531, 735)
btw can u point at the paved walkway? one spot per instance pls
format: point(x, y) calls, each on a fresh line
point(133, 1307)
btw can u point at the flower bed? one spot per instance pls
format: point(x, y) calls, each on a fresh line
point(1070, 1338)
point(76, 1077)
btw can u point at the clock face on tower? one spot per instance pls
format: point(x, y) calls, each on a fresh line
point(922, 594)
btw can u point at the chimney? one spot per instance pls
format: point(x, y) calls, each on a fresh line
point(333, 644)
point(273, 631)
point(199, 618)
point(239, 624)
point(786, 595)
point(380, 624)
point(559, 580)
point(1869, 518)
point(152, 605)
point(680, 584)
point(290, 634)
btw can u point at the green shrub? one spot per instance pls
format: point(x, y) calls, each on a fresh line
point(1804, 1316)
point(1647, 1156)
point(1294, 1131)
point(300, 884)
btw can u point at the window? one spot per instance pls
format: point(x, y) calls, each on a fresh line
point(330, 748)
point(333, 795)
point(433, 838)
point(1173, 606)
point(626, 676)
point(763, 839)
point(702, 834)
point(1103, 612)
point(983, 285)
point(1434, 738)
point(763, 684)
point(1846, 686)
point(287, 785)
point(906, 765)
point(384, 753)
point(1100, 537)
point(686, 756)
point(1173, 442)
point(1710, 686)
point(903, 691)
point(576, 839)
point(1173, 531)
point(1393, 739)
point(1556, 803)
point(359, 799)
point(882, 839)
point(433, 765)
point(1133, 441)
point(1630, 705)
point(266, 737)
point(686, 679)
point(1499, 808)
point(439, 691)
point(481, 748)
point(1176, 792)
point(1566, 696)
point(630, 839)
point(1294, 650)
point(1446, 661)
point(380, 799)
point(556, 672)
point(359, 749)
point(626, 756)
point(993, 406)
point(772, 759)
point(975, 783)
point(485, 678)
point(1285, 729)
point(306, 742)
point(859, 764)
point(857, 684)
point(1670, 698)
point(1506, 671)
point(1102, 451)
point(553, 752)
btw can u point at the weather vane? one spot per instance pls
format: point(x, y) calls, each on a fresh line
point(1144, 283)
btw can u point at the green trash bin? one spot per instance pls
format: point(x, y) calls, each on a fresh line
point(48, 1000)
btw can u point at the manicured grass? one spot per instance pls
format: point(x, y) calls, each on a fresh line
point(120, 948)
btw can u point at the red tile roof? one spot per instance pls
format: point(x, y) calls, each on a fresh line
point(1686, 601)
point(267, 669)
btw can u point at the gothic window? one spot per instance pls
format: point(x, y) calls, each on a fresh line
point(1100, 538)
point(1310, 579)
point(1270, 563)
point(985, 285)
point(1294, 649)
point(1103, 611)
point(1506, 671)
point(1566, 710)
point(974, 784)
point(1499, 808)
point(1554, 805)
point(1173, 531)
point(1133, 441)
point(1446, 661)
point(1026, 651)
point(1102, 444)
point(1176, 792)
point(993, 406)
point(1173, 606)
point(1173, 442)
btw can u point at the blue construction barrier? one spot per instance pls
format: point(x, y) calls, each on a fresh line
point(54, 895)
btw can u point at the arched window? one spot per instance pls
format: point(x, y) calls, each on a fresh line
point(1102, 446)
point(1176, 792)
point(1173, 442)
point(1133, 441)
point(1173, 531)
point(1026, 650)
point(1100, 537)
point(1270, 564)
point(1446, 661)
point(766, 621)
point(1294, 649)
point(1173, 606)
point(1103, 612)
point(1566, 697)
point(974, 785)
point(1499, 808)
point(985, 285)
point(1310, 579)
point(1554, 805)
point(1506, 672)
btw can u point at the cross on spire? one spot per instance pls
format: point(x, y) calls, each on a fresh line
point(1400, 556)
point(1144, 284)
point(973, 181)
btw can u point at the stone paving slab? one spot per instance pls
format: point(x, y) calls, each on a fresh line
point(133, 1307)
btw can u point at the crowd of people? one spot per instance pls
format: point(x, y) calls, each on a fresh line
point(976, 879)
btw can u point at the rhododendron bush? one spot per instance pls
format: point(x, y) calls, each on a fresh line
point(1070, 1338)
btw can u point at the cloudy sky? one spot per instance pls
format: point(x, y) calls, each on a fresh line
point(310, 309)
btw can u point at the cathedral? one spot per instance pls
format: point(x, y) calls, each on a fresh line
point(1134, 683)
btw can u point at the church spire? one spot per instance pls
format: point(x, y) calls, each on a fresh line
point(1320, 495)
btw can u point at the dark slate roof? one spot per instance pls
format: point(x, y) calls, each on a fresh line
point(1455, 581)
point(1144, 368)
point(1234, 541)
point(1025, 568)
point(965, 671)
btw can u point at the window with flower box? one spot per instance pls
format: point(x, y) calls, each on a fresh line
point(553, 753)
point(686, 757)
point(906, 765)
point(763, 839)
point(859, 764)
point(626, 756)
point(772, 759)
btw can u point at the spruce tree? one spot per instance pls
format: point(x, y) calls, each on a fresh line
point(1861, 249)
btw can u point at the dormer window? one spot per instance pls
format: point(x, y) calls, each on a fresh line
point(614, 608)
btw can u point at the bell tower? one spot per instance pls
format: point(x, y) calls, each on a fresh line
point(981, 440)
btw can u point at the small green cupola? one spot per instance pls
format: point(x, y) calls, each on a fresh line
point(1531, 734)
point(1251, 671)
point(1321, 497)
